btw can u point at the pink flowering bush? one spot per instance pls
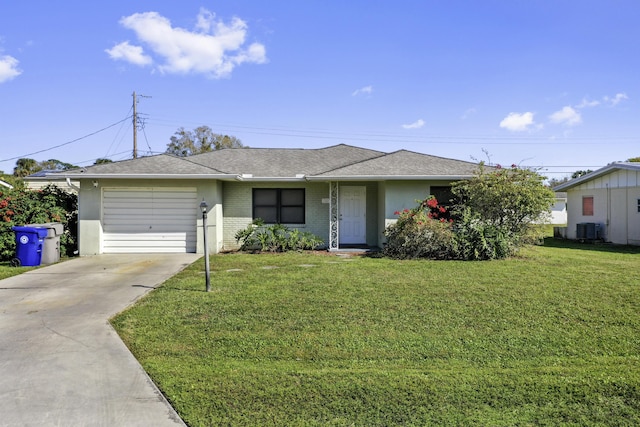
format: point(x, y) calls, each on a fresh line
point(496, 213)
point(422, 232)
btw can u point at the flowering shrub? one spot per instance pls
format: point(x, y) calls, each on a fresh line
point(21, 206)
point(497, 212)
point(422, 232)
point(427, 231)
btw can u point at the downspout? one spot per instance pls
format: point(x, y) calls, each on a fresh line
point(70, 185)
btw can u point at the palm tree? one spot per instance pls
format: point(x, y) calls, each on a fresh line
point(25, 167)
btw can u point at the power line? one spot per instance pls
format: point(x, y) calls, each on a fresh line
point(117, 135)
point(66, 143)
point(398, 137)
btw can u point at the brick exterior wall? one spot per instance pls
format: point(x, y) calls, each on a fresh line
point(237, 208)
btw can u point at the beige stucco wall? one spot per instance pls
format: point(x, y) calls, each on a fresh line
point(90, 210)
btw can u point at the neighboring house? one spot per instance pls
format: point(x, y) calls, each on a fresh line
point(43, 178)
point(346, 195)
point(558, 214)
point(605, 204)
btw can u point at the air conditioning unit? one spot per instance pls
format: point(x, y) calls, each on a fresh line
point(588, 231)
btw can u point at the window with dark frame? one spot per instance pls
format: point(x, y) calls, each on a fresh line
point(638, 205)
point(443, 194)
point(587, 205)
point(279, 205)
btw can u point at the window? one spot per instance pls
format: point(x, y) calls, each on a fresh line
point(279, 205)
point(442, 194)
point(587, 206)
point(638, 205)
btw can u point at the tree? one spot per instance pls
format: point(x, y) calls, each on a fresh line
point(634, 160)
point(25, 167)
point(102, 161)
point(202, 139)
point(55, 165)
point(554, 182)
point(578, 174)
point(512, 200)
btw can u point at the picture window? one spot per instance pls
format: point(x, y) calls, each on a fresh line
point(279, 205)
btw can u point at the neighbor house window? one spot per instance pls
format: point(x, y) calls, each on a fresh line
point(279, 205)
point(587, 206)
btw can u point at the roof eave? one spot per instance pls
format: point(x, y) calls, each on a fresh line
point(245, 178)
point(592, 175)
point(389, 177)
point(139, 176)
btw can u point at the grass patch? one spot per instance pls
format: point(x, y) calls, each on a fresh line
point(6, 270)
point(548, 338)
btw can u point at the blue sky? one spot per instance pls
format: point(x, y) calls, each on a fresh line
point(550, 84)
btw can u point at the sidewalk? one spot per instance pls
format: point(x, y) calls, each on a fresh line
point(61, 363)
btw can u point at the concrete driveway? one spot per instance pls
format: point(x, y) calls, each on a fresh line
point(61, 363)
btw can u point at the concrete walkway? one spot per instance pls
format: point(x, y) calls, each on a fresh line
point(61, 363)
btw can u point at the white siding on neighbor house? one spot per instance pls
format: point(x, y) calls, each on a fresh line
point(34, 184)
point(558, 214)
point(149, 220)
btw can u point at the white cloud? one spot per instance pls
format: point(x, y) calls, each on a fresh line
point(616, 99)
point(588, 103)
point(567, 116)
point(213, 48)
point(8, 68)
point(517, 122)
point(415, 125)
point(129, 53)
point(367, 90)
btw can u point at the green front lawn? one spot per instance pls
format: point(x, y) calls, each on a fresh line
point(549, 338)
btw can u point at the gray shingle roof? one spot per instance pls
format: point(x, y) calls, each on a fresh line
point(335, 162)
point(405, 163)
point(283, 162)
point(152, 165)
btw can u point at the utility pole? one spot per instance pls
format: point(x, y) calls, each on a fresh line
point(135, 123)
point(135, 126)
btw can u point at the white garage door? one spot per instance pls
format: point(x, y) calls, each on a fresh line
point(149, 220)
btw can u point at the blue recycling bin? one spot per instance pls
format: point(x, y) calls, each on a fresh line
point(29, 241)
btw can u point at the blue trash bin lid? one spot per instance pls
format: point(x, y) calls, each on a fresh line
point(41, 232)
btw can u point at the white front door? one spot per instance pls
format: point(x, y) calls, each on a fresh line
point(353, 207)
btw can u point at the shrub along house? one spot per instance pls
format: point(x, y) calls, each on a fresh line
point(345, 195)
point(605, 204)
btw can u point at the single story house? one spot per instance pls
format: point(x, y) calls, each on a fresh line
point(605, 204)
point(344, 194)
